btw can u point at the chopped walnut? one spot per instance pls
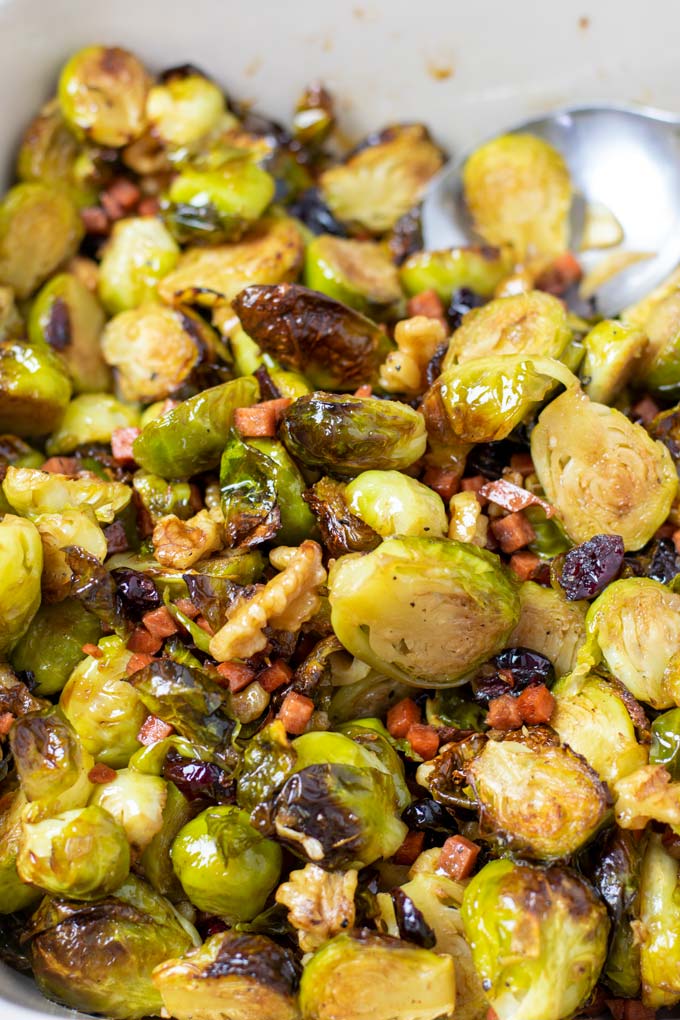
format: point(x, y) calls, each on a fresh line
point(320, 903)
point(86, 270)
point(285, 603)
point(467, 523)
point(180, 544)
point(648, 794)
point(417, 340)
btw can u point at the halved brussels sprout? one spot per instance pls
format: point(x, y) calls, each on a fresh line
point(155, 863)
point(52, 646)
point(218, 204)
point(659, 927)
point(270, 253)
point(190, 438)
point(99, 959)
point(334, 346)
point(342, 531)
point(658, 316)
point(11, 322)
point(616, 876)
point(51, 764)
point(382, 180)
point(518, 191)
point(232, 975)
point(371, 735)
point(28, 212)
point(665, 749)
point(160, 497)
point(81, 853)
point(538, 939)
point(60, 534)
point(602, 473)
point(33, 492)
point(225, 866)
point(531, 323)
point(136, 801)
point(90, 418)
point(613, 358)
point(105, 711)
point(34, 389)
point(425, 611)
point(68, 317)
point(364, 975)
point(102, 93)
point(476, 269)
point(51, 153)
point(21, 563)
point(138, 255)
point(360, 274)
point(297, 520)
point(543, 801)
point(344, 435)
point(550, 624)
point(394, 504)
point(184, 108)
point(14, 893)
point(634, 627)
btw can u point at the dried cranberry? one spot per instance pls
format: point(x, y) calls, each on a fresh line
point(138, 592)
point(462, 301)
point(315, 214)
point(198, 780)
point(412, 925)
point(589, 567)
point(659, 560)
point(511, 672)
point(489, 459)
point(426, 814)
point(211, 926)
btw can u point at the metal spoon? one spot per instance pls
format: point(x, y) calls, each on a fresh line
point(624, 157)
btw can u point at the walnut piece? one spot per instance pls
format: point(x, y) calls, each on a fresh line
point(645, 795)
point(180, 544)
point(320, 903)
point(417, 340)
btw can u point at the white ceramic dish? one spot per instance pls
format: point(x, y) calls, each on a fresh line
point(466, 68)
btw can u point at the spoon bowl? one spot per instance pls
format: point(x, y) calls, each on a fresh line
point(626, 158)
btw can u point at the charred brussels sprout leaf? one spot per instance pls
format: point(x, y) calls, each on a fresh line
point(27, 212)
point(659, 926)
point(617, 879)
point(398, 980)
point(232, 975)
point(51, 764)
point(90, 418)
point(425, 611)
point(52, 646)
point(102, 93)
point(334, 346)
point(139, 253)
point(248, 494)
point(342, 530)
point(35, 493)
point(392, 503)
point(602, 473)
point(476, 269)
point(21, 562)
point(360, 274)
point(100, 957)
point(34, 389)
point(538, 939)
point(268, 761)
point(219, 204)
point(297, 520)
point(345, 435)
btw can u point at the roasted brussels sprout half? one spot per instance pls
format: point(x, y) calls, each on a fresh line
point(70, 532)
point(14, 893)
point(34, 389)
point(21, 563)
point(540, 800)
point(342, 530)
point(30, 211)
point(658, 316)
point(398, 980)
point(225, 866)
point(297, 520)
point(219, 204)
point(602, 473)
point(531, 323)
point(138, 255)
point(617, 879)
point(550, 624)
point(538, 939)
point(231, 975)
point(518, 191)
point(68, 317)
point(360, 274)
point(99, 959)
point(52, 646)
point(33, 492)
point(424, 611)
point(334, 346)
point(659, 928)
point(89, 419)
point(383, 179)
point(344, 435)
point(665, 748)
point(477, 269)
point(136, 801)
point(612, 359)
point(51, 153)
point(183, 108)
point(371, 735)
point(51, 764)
point(392, 503)
point(11, 322)
point(102, 94)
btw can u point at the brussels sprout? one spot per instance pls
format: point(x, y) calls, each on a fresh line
point(90, 418)
point(538, 939)
point(14, 894)
point(634, 627)
point(543, 801)
point(612, 359)
point(138, 255)
point(665, 749)
point(659, 927)
point(345, 435)
point(531, 323)
point(366, 974)
point(395, 504)
point(357, 273)
point(27, 212)
point(342, 530)
point(32, 493)
point(371, 735)
point(34, 389)
point(449, 708)
point(61, 534)
point(68, 317)
point(184, 108)
point(190, 438)
point(161, 498)
point(231, 975)
point(104, 710)
point(102, 93)
point(248, 500)
point(11, 322)
point(269, 253)
point(268, 761)
point(334, 346)
point(617, 879)
point(425, 611)
point(476, 269)
point(136, 801)
point(21, 562)
point(225, 866)
point(155, 863)
point(82, 853)
point(594, 721)
point(100, 959)
point(297, 520)
point(518, 191)
point(51, 153)
point(602, 473)
point(51, 764)
point(219, 204)
point(383, 180)
point(52, 647)
point(658, 316)
point(550, 624)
